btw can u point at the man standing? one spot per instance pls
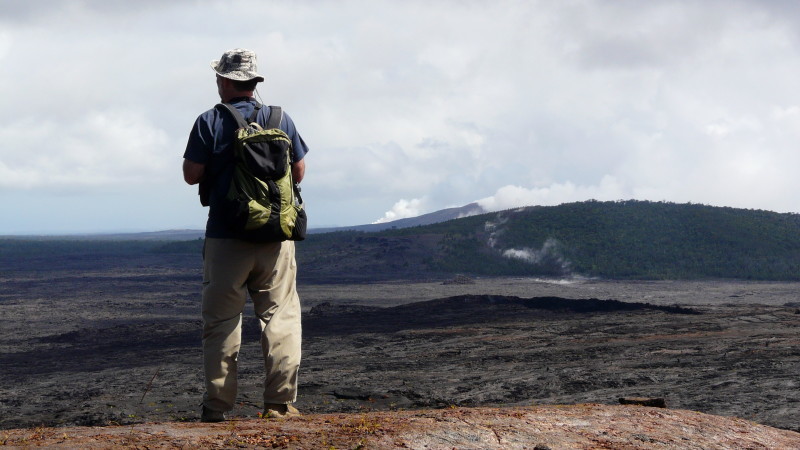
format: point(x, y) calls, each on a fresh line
point(234, 268)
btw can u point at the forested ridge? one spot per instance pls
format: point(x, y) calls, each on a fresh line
point(636, 239)
point(623, 240)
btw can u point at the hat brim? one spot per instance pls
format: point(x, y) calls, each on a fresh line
point(236, 75)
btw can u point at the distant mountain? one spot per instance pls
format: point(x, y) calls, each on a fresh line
point(180, 235)
point(167, 235)
point(426, 219)
point(617, 240)
point(626, 240)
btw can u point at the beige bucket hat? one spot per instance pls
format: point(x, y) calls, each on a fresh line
point(238, 64)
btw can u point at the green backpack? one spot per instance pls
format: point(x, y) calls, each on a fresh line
point(263, 203)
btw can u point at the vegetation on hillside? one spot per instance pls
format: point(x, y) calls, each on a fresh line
point(636, 239)
point(623, 240)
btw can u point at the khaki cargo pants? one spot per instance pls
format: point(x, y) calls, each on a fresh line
point(233, 269)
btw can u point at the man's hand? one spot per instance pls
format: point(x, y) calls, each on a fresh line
point(298, 170)
point(193, 172)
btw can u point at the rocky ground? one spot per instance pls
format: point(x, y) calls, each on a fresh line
point(539, 428)
point(113, 343)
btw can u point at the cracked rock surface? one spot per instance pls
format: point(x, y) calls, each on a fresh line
point(118, 343)
point(543, 427)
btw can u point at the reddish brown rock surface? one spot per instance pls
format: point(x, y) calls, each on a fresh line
point(555, 427)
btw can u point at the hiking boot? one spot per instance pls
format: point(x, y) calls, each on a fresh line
point(279, 411)
point(209, 415)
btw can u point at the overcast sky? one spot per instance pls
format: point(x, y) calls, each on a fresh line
point(408, 107)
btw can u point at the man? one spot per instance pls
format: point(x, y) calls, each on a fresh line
point(234, 268)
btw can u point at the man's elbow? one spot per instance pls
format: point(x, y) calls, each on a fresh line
point(298, 170)
point(191, 180)
point(193, 172)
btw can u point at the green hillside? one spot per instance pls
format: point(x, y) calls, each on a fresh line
point(623, 240)
point(626, 240)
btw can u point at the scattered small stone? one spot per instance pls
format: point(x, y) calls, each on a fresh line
point(352, 394)
point(654, 402)
point(328, 308)
point(643, 437)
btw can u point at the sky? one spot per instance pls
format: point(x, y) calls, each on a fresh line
point(407, 107)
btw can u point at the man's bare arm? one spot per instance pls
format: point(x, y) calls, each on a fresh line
point(193, 172)
point(298, 170)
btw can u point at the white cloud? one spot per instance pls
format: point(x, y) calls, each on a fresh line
point(549, 252)
point(403, 209)
point(5, 44)
point(548, 102)
point(97, 149)
point(724, 127)
point(509, 197)
point(785, 112)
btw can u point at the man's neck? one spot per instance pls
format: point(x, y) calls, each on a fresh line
point(237, 95)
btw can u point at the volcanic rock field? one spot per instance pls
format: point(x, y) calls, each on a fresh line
point(108, 342)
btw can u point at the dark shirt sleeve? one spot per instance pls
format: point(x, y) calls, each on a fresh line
point(200, 144)
point(299, 147)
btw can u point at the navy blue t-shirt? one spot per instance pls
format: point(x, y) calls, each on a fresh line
point(209, 144)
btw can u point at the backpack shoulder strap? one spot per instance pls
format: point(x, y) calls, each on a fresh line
point(275, 117)
point(254, 116)
point(234, 112)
